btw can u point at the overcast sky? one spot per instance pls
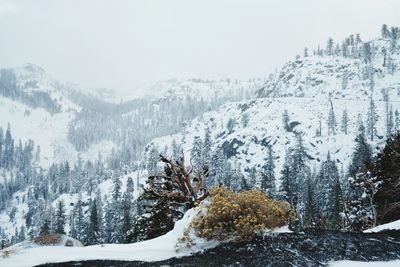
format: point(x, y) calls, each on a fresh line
point(120, 44)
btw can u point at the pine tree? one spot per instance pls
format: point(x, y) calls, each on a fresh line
point(310, 210)
point(108, 223)
point(387, 171)
point(385, 31)
point(152, 161)
point(93, 228)
point(231, 125)
point(196, 154)
point(207, 148)
point(45, 229)
point(116, 191)
point(305, 52)
point(252, 180)
point(367, 52)
point(294, 174)
point(176, 150)
point(285, 189)
point(268, 174)
point(329, 47)
point(372, 119)
point(78, 220)
point(390, 122)
point(328, 195)
point(217, 168)
point(245, 119)
point(396, 120)
point(286, 120)
point(127, 211)
point(362, 155)
point(331, 119)
point(126, 221)
point(60, 218)
point(345, 122)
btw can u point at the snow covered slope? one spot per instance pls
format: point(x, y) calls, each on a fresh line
point(160, 248)
point(343, 77)
point(303, 87)
point(207, 90)
point(41, 109)
point(387, 226)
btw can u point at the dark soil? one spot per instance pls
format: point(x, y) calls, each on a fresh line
point(312, 248)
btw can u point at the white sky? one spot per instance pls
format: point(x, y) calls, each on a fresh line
point(120, 44)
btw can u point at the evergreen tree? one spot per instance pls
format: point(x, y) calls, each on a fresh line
point(390, 122)
point(372, 118)
point(109, 226)
point(116, 191)
point(45, 229)
point(305, 52)
point(217, 168)
point(231, 125)
point(207, 148)
point(176, 150)
point(396, 120)
point(387, 171)
point(93, 228)
point(252, 180)
point(245, 119)
point(60, 218)
point(331, 119)
point(152, 161)
point(310, 210)
point(268, 174)
point(367, 52)
point(329, 47)
point(385, 33)
point(362, 155)
point(196, 154)
point(78, 220)
point(345, 122)
point(286, 120)
point(328, 195)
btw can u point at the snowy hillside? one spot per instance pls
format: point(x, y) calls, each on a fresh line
point(303, 87)
point(161, 248)
point(206, 90)
point(345, 77)
point(20, 205)
point(39, 108)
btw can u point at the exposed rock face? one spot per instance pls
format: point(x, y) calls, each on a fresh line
point(313, 248)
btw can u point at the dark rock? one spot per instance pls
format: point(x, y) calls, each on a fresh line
point(311, 248)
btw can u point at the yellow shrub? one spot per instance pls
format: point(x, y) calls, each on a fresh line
point(239, 216)
point(6, 253)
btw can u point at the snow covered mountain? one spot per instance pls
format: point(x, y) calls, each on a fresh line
point(308, 88)
point(60, 117)
point(40, 108)
point(206, 90)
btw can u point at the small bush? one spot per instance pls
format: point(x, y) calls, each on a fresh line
point(6, 253)
point(239, 216)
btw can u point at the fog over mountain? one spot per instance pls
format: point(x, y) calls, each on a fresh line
point(123, 44)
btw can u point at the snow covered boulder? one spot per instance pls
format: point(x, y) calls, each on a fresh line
point(57, 240)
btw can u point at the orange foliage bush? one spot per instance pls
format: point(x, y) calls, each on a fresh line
point(239, 216)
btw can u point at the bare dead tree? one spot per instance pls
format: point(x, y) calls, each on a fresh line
point(170, 194)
